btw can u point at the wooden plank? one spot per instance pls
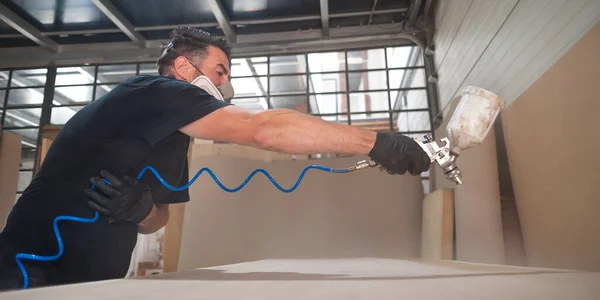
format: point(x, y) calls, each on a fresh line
point(172, 237)
point(49, 133)
point(437, 240)
point(333, 279)
point(10, 160)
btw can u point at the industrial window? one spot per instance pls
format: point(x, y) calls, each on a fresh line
point(380, 89)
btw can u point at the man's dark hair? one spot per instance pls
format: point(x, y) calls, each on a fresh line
point(189, 42)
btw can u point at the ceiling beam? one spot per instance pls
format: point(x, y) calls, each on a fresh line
point(325, 17)
point(213, 24)
point(26, 29)
point(219, 11)
point(248, 45)
point(119, 19)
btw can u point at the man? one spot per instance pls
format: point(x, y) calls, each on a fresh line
point(148, 120)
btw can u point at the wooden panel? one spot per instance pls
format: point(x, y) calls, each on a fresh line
point(10, 160)
point(363, 213)
point(437, 240)
point(174, 227)
point(478, 216)
point(336, 279)
point(556, 184)
point(49, 133)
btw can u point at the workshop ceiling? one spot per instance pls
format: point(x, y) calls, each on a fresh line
point(68, 22)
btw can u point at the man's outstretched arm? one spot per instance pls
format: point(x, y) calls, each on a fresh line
point(281, 130)
point(289, 131)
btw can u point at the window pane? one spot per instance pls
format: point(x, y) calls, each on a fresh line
point(28, 137)
point(294, 84)
point(60, 115)
point(73, 94)
point(405, 56)
point(369, 101)
point(372, 121)
point(412, 121)
point(103, 89)
point(3, 79)
point(329, 104)
point(259, 59)
point(250, 86)
point(115, 73)
point(2, 97)
point(408, 78)
point(288, 64)
point(327, 83)
point(364, 81)
point(258, 103)
point(247, 67)
point(27, 96)
point(298, 103)
point(366, 59)
point(24, 180)
point(22, 117)
point(75, 75)
point(25, 78)
point(27, 158)
point(148, 69)
point(412, 99)
point(327, 62)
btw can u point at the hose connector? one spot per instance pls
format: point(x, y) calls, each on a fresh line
point(363, 164)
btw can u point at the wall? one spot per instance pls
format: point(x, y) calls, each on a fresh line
point(366, 213)
point(10, 158)
point(504, 45)
point(551, 135)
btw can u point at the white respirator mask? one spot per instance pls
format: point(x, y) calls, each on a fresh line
point(223, 92)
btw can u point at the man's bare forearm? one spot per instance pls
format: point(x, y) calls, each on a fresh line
point(156, 220)
point(297, 133)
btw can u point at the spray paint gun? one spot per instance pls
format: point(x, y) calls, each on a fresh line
point(469, 125)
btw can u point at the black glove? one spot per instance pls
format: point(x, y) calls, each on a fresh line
point(398, 154)
point(126, 199)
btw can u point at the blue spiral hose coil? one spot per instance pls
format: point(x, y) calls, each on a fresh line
point(35, 257)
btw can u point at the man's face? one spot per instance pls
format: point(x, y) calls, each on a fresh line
point(215, 66)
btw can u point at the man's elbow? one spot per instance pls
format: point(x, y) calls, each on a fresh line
point(266, 129)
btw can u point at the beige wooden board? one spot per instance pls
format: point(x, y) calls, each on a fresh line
point(438, 225)
point(358, 278)
point(10, 158)
point(479, 235)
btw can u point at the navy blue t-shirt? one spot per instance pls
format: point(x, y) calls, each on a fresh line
point(134, 125)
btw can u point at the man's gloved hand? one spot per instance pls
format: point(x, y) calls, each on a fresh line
point(398, 154)
point(126, 199)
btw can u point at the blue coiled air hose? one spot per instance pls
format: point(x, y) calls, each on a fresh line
point(172, 188)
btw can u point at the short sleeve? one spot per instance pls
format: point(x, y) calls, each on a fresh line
point(171, 104)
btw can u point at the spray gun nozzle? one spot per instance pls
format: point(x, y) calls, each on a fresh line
point(445, 158)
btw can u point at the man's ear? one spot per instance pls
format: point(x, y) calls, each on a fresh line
point(182, 68)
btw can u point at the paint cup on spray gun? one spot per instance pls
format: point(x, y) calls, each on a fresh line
point(470, 123)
